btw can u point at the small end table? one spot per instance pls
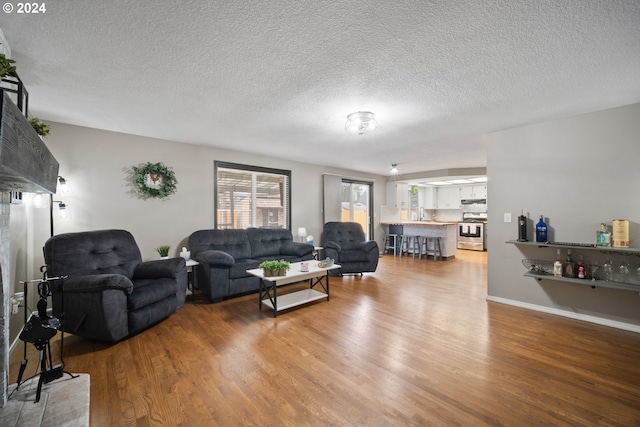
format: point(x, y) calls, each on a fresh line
point(191, 288)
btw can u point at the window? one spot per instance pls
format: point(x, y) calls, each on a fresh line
point(251, 196)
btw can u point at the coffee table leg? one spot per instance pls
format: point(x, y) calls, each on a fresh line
point(275, 300)
point(261, 294)
point(318, 281)
point(265, 291)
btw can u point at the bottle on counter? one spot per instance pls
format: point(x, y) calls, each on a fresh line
point(569, 266)
point(557, 266)
point(581, 269)
point(603, 236)
point(541, 231)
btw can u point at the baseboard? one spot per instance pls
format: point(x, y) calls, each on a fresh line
point(569, 314)
point(14, 344)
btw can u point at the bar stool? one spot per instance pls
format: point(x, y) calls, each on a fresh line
point(436, 243)
point(391, 243)
point(410, 241)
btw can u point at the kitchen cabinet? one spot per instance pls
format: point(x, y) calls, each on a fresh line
point(427, 197)
point(606, 253)
point(398, 195)
point(448, 198)
point(473, 192)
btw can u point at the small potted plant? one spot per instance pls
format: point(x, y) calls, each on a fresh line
point(39, 126)
point(274, 268)
point(282, 267)
point(268, 268)
point(163, 251)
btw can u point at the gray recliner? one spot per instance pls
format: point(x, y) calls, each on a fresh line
point(110, 293)
point(345, 243)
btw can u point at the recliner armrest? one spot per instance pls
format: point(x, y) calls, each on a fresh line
point(97, 283)
point(216, 258)
point(159, 269)
point(295, 248)
point(367, 246)
point(333, 245)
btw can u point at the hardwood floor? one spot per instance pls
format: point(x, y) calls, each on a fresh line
point(416, 344)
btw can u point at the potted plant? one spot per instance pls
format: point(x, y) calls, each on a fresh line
point(39, 126)
point(6, 65)
point(163, 251)
point(283, 266)
point(273, 268)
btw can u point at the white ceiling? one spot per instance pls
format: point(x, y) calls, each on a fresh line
point(279, 77)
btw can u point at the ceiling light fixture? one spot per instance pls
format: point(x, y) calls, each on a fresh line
point(394, 169)
point(360, 122)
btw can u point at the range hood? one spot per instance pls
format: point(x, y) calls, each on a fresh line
point(26, 164)
point(473, 201)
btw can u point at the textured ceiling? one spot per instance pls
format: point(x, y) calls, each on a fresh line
point(279, 77)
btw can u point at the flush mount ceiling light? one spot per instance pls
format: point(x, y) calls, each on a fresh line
point(394, 169)
point(361, 122)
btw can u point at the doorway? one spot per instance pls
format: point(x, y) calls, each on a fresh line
point(357, 204)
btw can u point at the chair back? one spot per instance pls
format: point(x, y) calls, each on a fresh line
point(92, 252)
point(346, 234)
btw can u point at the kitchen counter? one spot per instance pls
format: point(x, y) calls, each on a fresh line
point(431, 223)
point(446, 230)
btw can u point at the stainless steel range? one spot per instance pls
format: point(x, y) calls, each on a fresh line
point(472, 231)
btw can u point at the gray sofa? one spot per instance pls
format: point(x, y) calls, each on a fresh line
point(226, 255)
point(111, 293)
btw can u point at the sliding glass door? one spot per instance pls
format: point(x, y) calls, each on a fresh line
point(356, 204)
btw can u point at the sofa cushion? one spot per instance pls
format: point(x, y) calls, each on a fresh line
point(233, 242)
point(149, 291)
point(267, 241)
point(295, 249)
point(353, 256)
point(290, 258)
point(241, 266)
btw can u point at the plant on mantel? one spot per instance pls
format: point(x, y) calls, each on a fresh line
point(39, 126)
point(6, 65)
point(273, 268)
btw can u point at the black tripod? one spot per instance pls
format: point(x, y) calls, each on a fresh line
point(39, 330)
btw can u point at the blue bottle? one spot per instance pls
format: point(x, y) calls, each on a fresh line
point(541, 231)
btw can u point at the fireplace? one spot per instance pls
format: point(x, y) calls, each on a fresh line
point(26, 164)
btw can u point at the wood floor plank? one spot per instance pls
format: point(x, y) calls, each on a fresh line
point(415, 343)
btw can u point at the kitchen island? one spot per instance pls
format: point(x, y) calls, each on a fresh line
point(446, 230)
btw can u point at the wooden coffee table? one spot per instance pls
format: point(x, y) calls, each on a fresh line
point(315, 276)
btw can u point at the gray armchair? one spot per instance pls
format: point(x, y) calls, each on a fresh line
point(110, 293)
point(345, 243)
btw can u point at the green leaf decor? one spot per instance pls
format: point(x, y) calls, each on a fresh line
point(154, 180)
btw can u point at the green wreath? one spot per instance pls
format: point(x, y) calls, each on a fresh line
point(154, 180)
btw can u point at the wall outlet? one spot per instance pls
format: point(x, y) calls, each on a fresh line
point(507, 217)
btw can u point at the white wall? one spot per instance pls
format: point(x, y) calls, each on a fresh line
point(96, 164)
point(577, 172)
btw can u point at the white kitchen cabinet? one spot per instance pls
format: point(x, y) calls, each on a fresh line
point(448, 198)
point(473, 192)
point(397, 195)
point(427, 197)
point(479, 191)
point(466, 192)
